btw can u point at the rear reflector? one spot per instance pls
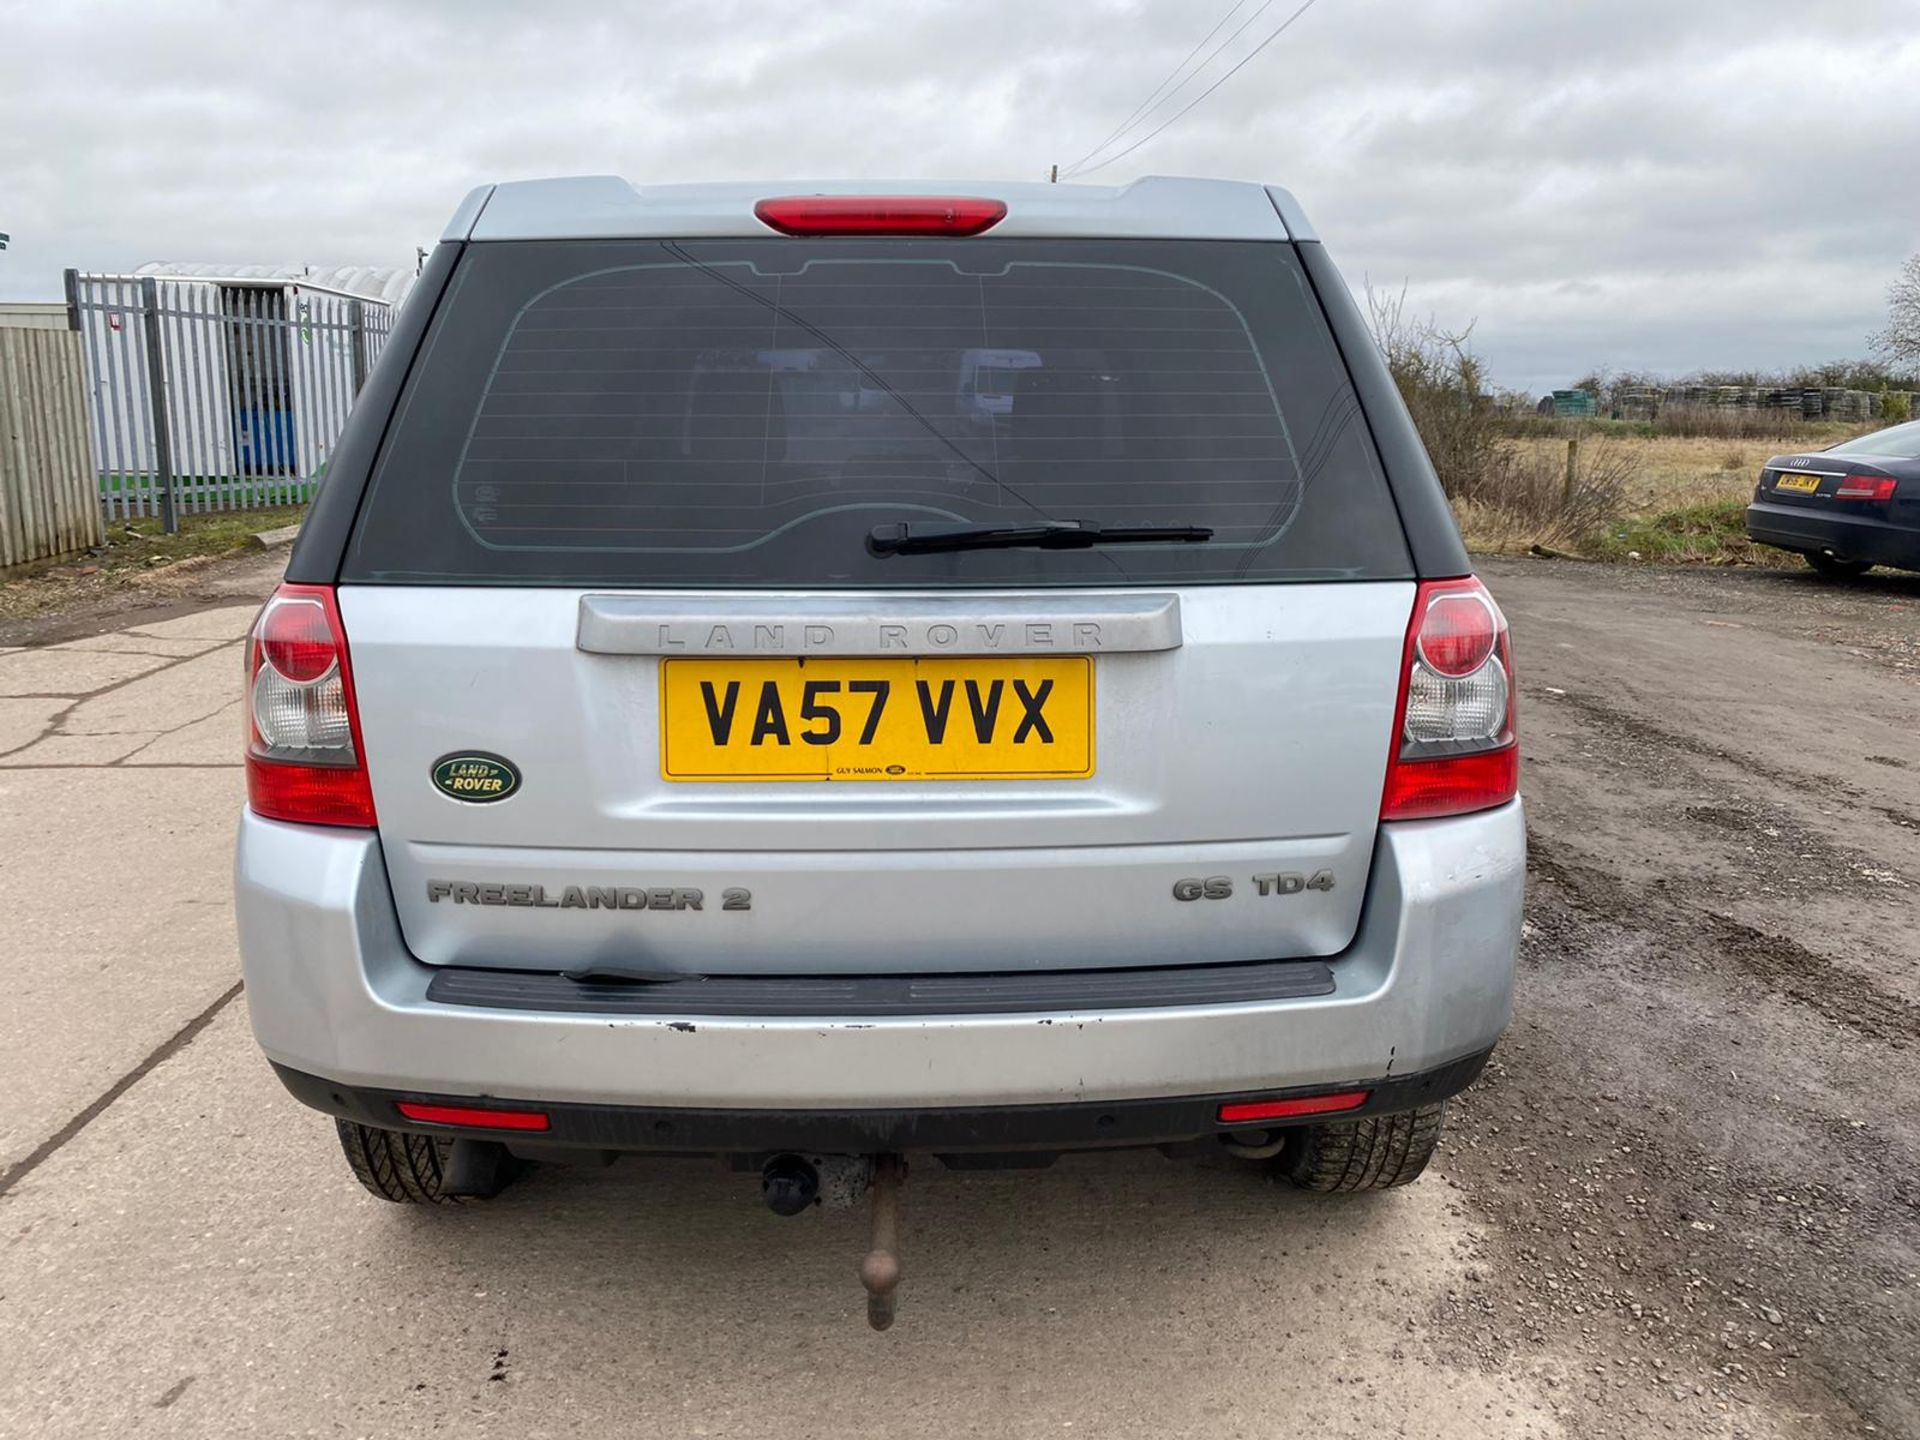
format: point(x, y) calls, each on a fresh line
point(472, 1117)
point(1292, 1109)
point(880, 214)
point(1867, 487)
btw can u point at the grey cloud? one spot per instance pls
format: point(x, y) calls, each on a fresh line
point(1639, 184)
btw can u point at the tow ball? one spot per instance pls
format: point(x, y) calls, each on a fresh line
point(791, 1184)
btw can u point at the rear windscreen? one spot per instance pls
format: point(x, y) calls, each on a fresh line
point(742, 413)
point(1902, 442)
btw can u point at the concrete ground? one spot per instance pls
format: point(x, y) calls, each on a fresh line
point(184, 1252)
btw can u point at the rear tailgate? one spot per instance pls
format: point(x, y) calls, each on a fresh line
point(1253, 748)
point(616, 545)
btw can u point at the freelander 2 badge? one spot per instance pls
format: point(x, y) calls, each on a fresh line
point(475, 777)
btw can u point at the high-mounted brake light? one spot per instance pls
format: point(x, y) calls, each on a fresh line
point(1867, 487)
point(303, 726)
point(1454, 748)
point(880, 214)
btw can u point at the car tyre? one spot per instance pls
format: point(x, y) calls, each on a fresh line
point(413, 1169)
point(1832, 567)
point(1376, 1152)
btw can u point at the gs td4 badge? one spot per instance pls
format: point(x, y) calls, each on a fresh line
point(475, 777)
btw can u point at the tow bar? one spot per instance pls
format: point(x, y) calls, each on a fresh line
point(880, 1271)
point(791, 1184)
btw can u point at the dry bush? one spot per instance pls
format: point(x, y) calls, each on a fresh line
point(1666, 471)
point(1505, 494)
point(1443, 385)
point(1527, 497)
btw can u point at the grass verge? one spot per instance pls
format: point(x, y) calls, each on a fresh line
point(136, 564)
point(1676, 500)
point(1710, 533)
point(142, 545)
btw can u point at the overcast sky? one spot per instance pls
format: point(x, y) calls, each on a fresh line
point(1662, 186)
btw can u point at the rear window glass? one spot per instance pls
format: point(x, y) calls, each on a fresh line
point(742, 413)
point(1901, 442)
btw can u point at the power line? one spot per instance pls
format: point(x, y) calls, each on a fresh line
point(1148, 103)
point(1275, 35)
point(1193, 75)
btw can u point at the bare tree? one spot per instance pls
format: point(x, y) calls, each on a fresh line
point(1900, 341)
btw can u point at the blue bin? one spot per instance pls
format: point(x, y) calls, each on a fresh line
point(263, 441)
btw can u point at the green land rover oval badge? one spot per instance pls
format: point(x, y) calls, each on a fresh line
point(475, 777)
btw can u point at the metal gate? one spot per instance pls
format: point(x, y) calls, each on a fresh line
point(253, 379)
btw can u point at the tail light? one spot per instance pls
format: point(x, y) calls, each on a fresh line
point(1454, 746)
point(1867, 487)
point(880, 214)
point(303, 728)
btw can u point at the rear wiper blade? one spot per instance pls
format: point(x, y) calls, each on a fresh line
point(908, 539)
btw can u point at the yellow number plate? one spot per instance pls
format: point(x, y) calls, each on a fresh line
point(1799, 484)
point(922, 719)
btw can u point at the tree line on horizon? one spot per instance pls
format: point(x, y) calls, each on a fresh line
point(1893, 362)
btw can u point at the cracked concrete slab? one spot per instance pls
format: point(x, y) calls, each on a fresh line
point(67, 672)
point(216, 740)
point(24, 721)
point(124, 644)
point(186, 691)
point(83, 750)
point(229, 622)
point(120, 896)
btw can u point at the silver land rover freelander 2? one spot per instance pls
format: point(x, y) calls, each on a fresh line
point(811, 674)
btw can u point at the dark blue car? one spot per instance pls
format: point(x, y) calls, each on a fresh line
point(1846, 509)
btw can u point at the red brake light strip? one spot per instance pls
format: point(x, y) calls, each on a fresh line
point(880, 214)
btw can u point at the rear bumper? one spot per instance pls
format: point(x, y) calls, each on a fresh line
point(1850, 537)
point(945, 1130)
point(335, 995)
